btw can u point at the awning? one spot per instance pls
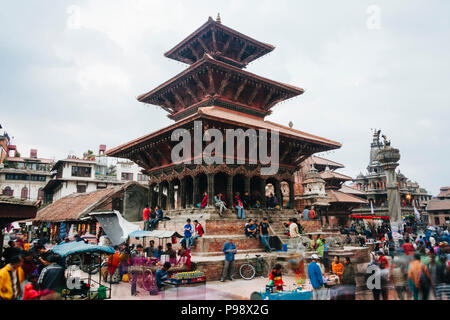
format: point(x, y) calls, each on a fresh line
point(74, 247)
point(369, 216)
point(155, 234)
point(115, 226)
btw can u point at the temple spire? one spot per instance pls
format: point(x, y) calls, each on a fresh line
point(218, 18)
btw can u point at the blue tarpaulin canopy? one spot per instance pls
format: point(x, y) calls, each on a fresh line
point(74, 247)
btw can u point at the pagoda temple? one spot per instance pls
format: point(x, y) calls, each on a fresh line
point(216, 92)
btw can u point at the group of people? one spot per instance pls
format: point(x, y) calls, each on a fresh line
point(151, 217)
point(255, 229)
point(31, 272)
point(192, 232)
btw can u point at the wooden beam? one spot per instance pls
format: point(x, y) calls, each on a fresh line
point(213, 34)
point(200, 84)
point(179, 99)
point(150, 159)
point(193, 96)
point(194, 52)
point(242, 52)
point(169, 105)
point(239, 90)
point(253, 94)
point(224, 83)
point(199, 39)
point(249, 58)
point(162, 155)
point(274, 102)
point(268, 97)
point(227, 44)
point(185, 59)
point(211, 81)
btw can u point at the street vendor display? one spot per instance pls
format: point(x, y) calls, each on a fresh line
point(187, 278)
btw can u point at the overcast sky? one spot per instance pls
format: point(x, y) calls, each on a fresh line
point(70, 72)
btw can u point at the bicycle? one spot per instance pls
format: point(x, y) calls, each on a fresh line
point(254, 266)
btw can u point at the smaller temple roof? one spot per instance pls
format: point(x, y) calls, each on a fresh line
point(212, 37)
point(319, 161)
point(348, 189)
point(331, 175)
point(338, 196)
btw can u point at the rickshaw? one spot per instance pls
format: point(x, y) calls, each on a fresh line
point(85, 288)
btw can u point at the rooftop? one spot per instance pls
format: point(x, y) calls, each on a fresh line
point(225, 43)
point(438, 205)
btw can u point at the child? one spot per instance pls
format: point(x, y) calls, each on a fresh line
point(275, 278)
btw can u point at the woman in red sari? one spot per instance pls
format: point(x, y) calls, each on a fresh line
point(204, 201)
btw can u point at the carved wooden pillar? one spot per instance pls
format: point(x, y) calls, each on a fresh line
point(230, 191)
point(170, 196)
point(278, 193)
point(247, 185)
point(195, 185)
point(291, 195)
point(263, 193)
point(160, 194)
point(150, 195)
point(183, 193)
point(210, 188)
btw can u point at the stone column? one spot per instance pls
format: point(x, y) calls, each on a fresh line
point(230, 198)
point(210, 188)
point(247, 185)
point(291, 195)
point(195, 183)
point(183, 193)
point(170, 196)
point(389, 157)
point(327, 222)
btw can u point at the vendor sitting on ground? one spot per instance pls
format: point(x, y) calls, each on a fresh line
point(162, 278)
point(275, 278)
point(250, 229)
point(204, 202)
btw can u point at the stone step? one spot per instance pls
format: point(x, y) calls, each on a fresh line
point(220, 253)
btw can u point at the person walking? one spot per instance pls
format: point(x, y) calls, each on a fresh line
point(229, 250)
point(316, 278)
point(52, 276)
point(11, 278)
point(399, 279)
point(419, 278)
point(135, 256)
point(265, 236)
point(348, 280)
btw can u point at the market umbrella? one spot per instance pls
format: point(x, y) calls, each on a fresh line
point(74, 247)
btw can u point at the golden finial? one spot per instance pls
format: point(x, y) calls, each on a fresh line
point(218, 18)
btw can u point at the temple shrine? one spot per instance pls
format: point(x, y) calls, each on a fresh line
point(216, 92)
